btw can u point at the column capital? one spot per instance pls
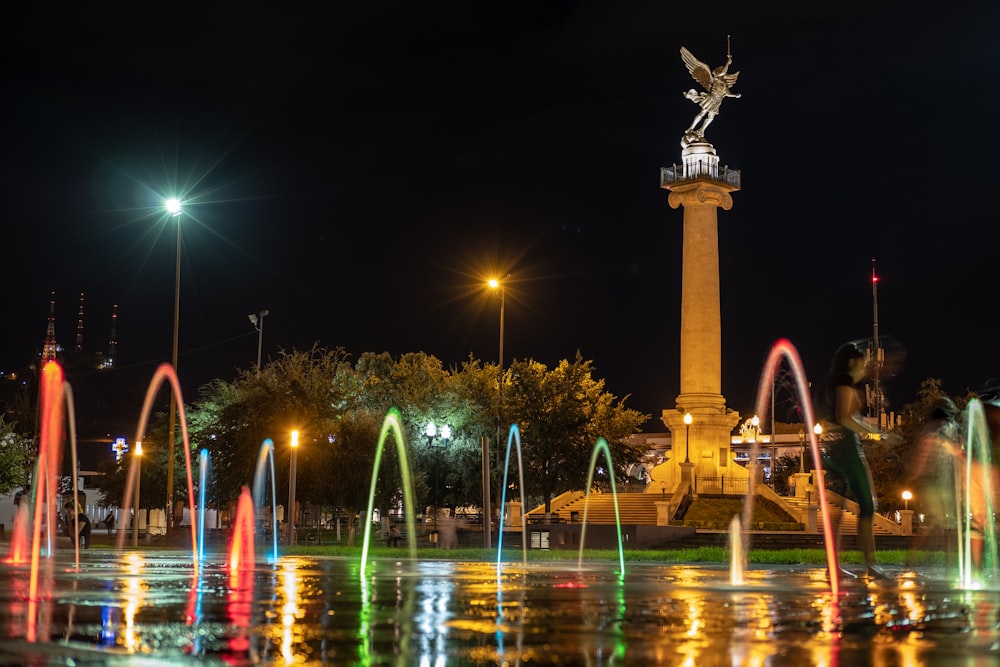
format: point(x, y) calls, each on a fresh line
point(701, 193)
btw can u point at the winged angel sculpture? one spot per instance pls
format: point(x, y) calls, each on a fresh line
point(717, 84)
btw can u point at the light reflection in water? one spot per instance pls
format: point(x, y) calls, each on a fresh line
point(435, 597)
point(434, 613)
point(289, 609)
point(135, 596)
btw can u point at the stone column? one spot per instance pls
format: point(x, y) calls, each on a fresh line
point(906, 521)
point(701, 192)
point(662, 513)
point(801, 484)
point(701, 319)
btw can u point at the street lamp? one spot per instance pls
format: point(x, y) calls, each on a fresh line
point(292, 474)
point(138, 478)
point(802, 450)
point(495, 284)
point(907, 497)
point(687, 436)
point(257, 320)
point(444, 433)
point(174, 207)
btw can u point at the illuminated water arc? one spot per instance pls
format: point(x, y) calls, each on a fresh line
point(737, 559)
point(978, 448)
point(20, 551)
point(265, 464)
point(391, 423)
point(513, 435)
point(203, 472)
point(164, 372)
point(599, 446)
point(43, 491)
point(71, 423)
point(783, 349)
point(241, 553)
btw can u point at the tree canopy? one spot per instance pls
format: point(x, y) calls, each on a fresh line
point(338, 408)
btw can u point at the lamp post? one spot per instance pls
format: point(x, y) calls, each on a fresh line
point(444, 433)
point(907, 497)
point(174, 207)
point(802, 450)
point(687, 436)
point(494, 284)
point(138, 478)
point(292, 474)
point(257, 320)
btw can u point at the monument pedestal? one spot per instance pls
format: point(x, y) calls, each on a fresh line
point(705, 444)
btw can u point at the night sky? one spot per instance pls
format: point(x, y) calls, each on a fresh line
point(361, 170)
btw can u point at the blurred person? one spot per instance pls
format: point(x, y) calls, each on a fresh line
point(83, 524)
point(935, 470)
point(841, 403)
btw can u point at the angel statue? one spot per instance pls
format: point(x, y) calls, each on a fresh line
point(717, 84)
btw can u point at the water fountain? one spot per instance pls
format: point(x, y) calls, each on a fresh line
point(784, 350)
point(263, 473)
point(976, 502)
point(513, 437)
point(120, 606)
point(599, 448)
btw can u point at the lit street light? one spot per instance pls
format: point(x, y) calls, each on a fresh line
point(444, 433)
point(687, 436)
point(138, 478)
point(257, 320)
point(174, 207)
point(494, 284)
point(907, 497)
point(292, 474)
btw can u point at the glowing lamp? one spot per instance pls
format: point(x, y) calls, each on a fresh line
point(173, 206)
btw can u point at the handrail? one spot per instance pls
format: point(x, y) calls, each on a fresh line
point(680, 173)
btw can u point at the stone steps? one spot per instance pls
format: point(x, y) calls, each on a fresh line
point(633, 508)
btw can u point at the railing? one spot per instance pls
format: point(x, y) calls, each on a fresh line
point(729, 486)
point(678, 173)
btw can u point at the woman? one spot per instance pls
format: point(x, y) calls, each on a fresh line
point(844, 453)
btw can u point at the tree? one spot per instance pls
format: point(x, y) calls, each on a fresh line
point(341, 470)
point(339, 410)
point(561, 413)
point(16, 454)
point(305, 391)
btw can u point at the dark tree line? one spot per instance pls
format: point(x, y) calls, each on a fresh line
point(338, 407)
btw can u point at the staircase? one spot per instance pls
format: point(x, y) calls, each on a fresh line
point(848, 517)
point(633, 508)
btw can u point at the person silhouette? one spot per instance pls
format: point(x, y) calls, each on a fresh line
point(844, 455)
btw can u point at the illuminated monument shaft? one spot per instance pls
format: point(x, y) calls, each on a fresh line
point(701, 327)
point(702, 447)
point(701, 188)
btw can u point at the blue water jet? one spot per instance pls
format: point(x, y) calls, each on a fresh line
point(513, 436)
point(265, 465)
